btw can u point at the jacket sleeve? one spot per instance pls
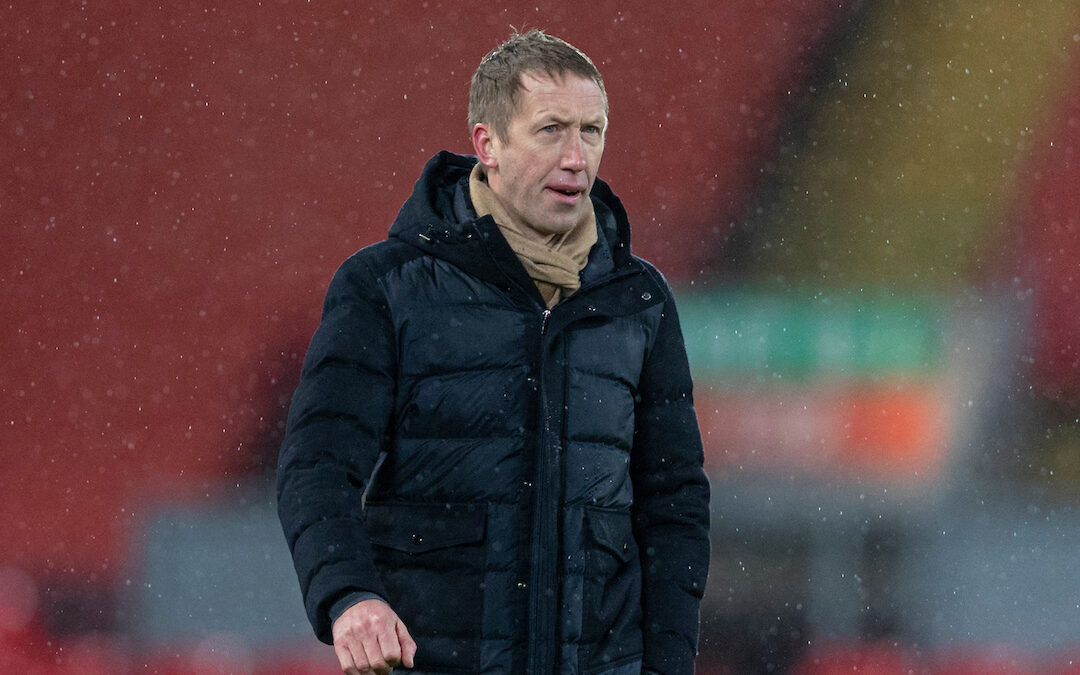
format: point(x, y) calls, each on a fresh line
point(337, 423)
point(671, 502)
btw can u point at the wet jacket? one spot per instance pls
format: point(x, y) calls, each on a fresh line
point(539, 504)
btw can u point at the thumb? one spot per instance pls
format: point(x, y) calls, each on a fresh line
point(408, 646)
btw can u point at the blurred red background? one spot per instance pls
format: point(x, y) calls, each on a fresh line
point(181, 182)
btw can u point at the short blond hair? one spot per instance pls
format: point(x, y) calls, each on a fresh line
point(493, 92)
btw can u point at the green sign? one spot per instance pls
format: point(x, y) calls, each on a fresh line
point(773, 335)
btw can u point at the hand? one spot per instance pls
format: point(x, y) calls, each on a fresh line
point(370, 638)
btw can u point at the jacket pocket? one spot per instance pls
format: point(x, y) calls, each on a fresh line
point(431, 558)
point(611, 598)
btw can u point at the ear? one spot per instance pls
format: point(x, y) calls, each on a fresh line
point(485, 145)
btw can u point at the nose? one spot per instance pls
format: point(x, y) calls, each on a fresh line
point(573, 153)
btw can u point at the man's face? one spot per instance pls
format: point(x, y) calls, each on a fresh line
point(543, 170)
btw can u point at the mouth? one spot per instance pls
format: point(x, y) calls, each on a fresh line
point(567, 195)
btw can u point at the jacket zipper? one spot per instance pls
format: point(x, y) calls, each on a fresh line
point(544, 592)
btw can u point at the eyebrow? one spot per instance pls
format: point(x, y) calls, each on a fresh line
point(552, 118)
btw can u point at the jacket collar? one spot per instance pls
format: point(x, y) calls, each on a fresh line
point(439, 219)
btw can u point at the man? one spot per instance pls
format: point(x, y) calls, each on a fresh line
point(492, 462)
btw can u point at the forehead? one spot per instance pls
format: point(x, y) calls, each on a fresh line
point(564, 94)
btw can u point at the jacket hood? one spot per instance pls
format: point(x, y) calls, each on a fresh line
point(439, 218)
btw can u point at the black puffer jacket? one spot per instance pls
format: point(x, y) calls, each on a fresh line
point(542, 506)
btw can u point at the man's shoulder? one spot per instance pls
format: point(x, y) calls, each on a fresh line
point(362, 272)
point(380, 258)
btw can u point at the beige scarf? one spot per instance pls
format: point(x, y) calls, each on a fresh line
point(555, 268)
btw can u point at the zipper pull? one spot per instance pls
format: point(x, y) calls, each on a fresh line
point(544, 321)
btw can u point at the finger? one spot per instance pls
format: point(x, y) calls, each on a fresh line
point(375, 661)
point(345, 659)
point(391, 650)
point(408, 645)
